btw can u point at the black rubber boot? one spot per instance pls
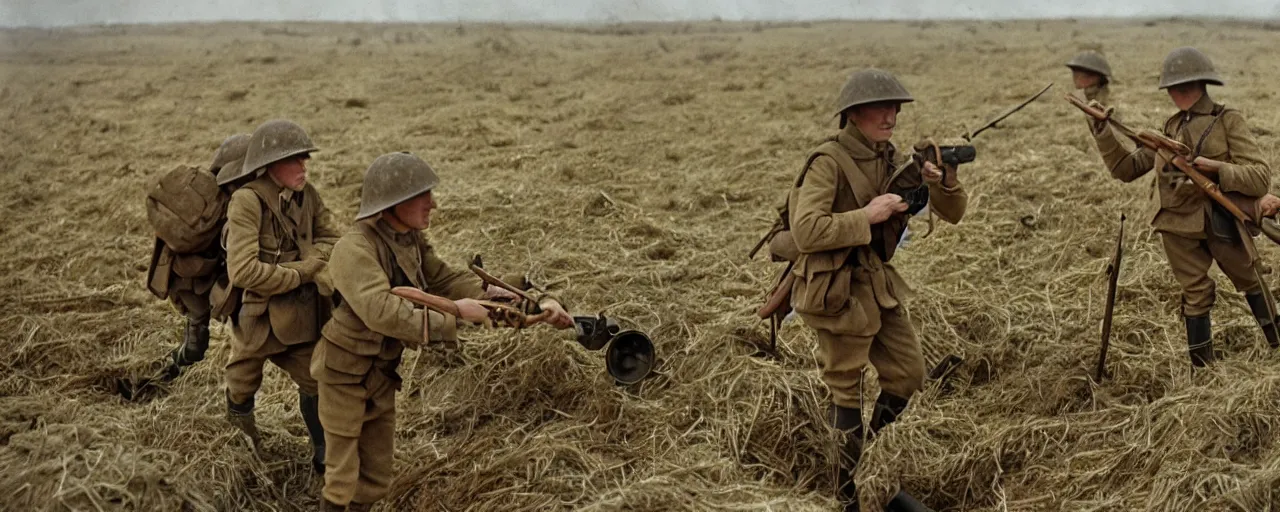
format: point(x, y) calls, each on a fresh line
point(1258, 304)
point(1200, 340)
point(888, 408)
point(195, 341)
point(309, 406)
point(849, 421)
point(241, 416)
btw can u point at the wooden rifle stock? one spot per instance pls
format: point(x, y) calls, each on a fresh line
point(779, 296)
point(1113, 273)
point(497, 310)
point(1175, 153)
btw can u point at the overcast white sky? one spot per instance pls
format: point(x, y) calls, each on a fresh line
point(50, 13)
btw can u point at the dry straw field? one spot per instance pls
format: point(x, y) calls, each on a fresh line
point(631, 168)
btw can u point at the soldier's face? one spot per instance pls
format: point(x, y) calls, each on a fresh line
point(876, 120)
point(1085, 79)
point(1186, 95)
point(416, 212)
point(291, 172)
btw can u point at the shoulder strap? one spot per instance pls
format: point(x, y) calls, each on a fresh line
point(1218, 110)
point(286, 225)
point(272, 205)
point(848, 175)
point(309, 197)
point(863, 190)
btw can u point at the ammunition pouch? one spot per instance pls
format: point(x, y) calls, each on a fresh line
point(224, 299)
point(824, 284)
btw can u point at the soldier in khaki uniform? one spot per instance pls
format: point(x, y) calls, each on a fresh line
point(186, 279)
point(356, 359)
point(846, 228)
point(1091, 75)
point(278, 238)
point(1196, 231)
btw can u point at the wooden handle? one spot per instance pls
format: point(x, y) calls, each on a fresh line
point(1210, 188)
point(780, 295)
point(433, 302)
point(494, 281)
point(1092, 111)
point(1155, 140)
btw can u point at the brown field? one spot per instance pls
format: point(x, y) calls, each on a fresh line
point(631, 167)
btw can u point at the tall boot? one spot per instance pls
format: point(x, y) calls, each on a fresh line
point(195, 341)
point(849, 421)
point(241, 416)
point(1200, 340)
point(309, 406)
point(1258, 304)
point(888, 408)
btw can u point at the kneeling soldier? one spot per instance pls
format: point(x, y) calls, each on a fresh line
point(360, 348)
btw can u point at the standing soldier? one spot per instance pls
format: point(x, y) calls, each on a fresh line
point(356, 359)
point(278, 237)
point(186, 278)
point(1194, 229)
point(1091, 74)
point(846, 228)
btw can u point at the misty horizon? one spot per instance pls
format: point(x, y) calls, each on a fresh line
point(61, 13)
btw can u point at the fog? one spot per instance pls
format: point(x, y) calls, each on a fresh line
point(54, 13)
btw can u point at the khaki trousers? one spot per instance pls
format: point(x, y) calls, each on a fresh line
point(359, 433)
point(194, 305)
point(894, 351)
point(1190, 260)
point(244, 369)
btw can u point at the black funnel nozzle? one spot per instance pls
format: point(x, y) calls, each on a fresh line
point(630, 357)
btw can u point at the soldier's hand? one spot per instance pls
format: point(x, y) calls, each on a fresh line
point(471, 311)
point(1268, 206)
point(1097, 125)
point(559, 318)
point(1203, 164)
point(883, 207)
point(307, 269)
point(931, 173)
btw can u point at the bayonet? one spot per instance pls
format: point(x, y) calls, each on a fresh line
point(968, 136)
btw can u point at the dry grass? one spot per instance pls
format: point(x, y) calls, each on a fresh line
point(632, 167)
